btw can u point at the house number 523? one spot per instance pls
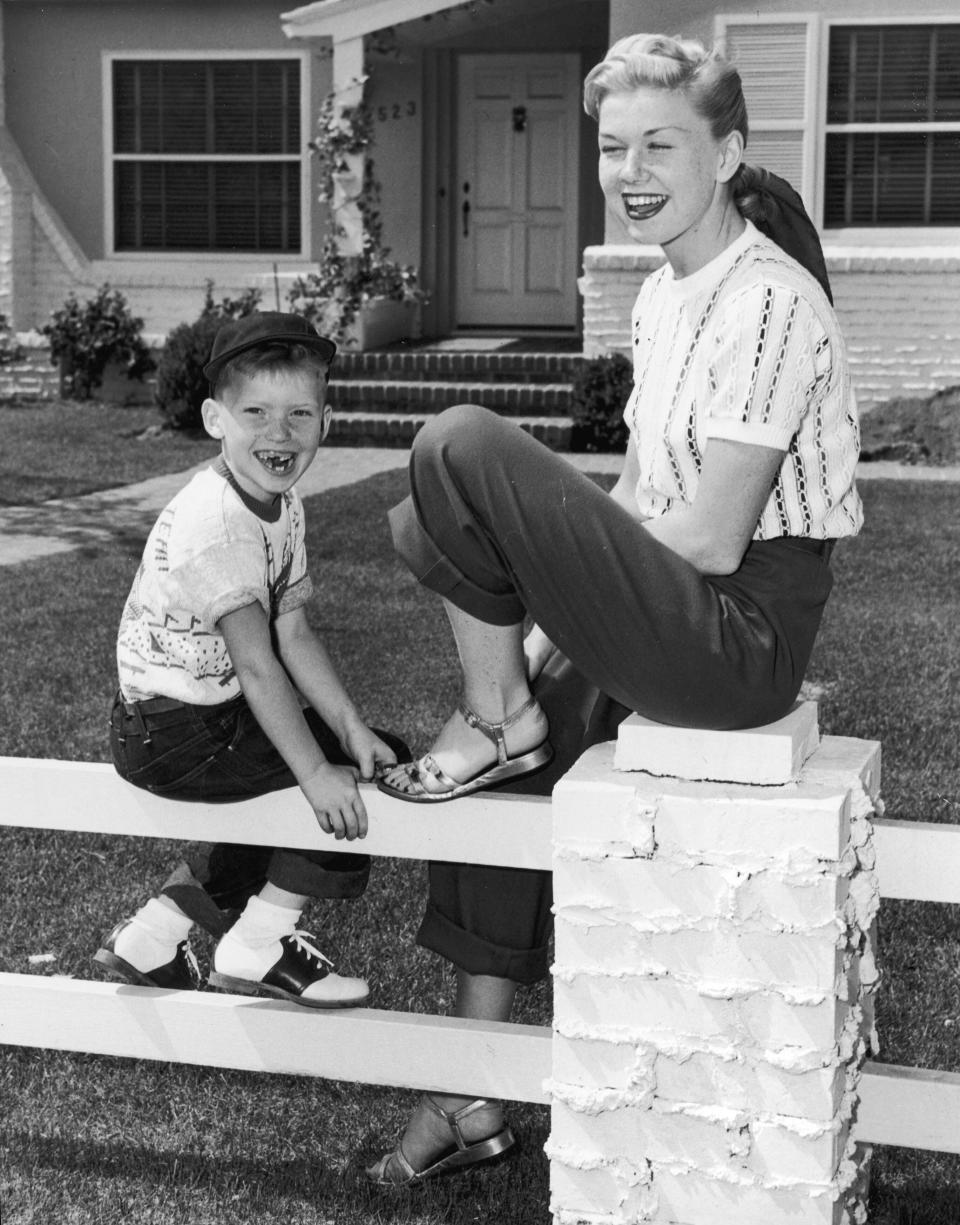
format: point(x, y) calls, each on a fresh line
point(396, 110)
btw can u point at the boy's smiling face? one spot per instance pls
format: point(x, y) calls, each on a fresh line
point(270, 426)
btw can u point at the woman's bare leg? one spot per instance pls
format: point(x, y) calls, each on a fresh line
point(494, 687)
point(479, 997)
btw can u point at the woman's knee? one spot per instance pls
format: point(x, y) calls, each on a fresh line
point(457, 430)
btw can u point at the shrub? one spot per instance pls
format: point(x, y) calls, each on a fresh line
point(10, 350)
point(87, 337)
point(600, 393)
point(181, 386)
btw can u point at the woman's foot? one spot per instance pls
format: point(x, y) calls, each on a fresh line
point(472, 752)
point(444, 1134)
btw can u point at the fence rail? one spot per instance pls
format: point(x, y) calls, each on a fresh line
point(917, 860)
point(912, 1107)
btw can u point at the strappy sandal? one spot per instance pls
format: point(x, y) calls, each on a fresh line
point(431, 785)
point(394, 1170)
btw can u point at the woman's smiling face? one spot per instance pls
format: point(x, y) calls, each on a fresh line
point(664, 175)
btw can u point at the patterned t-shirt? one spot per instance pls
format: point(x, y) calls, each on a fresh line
point(212, 550)
point(747, 348)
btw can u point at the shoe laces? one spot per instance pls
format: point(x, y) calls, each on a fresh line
point(191, 959)
point(302, 942)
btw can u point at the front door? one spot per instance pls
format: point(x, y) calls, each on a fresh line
point(517, 199)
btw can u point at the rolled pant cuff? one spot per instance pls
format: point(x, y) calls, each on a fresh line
point(293, 872)
point(185, 891)
point(432, 568)
point(476, 955)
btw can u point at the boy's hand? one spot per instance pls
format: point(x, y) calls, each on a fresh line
point(335, 799)
point(370, 753)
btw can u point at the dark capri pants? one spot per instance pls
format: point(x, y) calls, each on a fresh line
point(505, 529)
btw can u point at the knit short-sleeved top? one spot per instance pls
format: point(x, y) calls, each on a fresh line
point(748, 348)
point(212, 550)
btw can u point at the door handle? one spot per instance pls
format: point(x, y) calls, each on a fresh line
point(465, 210)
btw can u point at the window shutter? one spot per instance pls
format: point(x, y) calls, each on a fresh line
point(774, 62)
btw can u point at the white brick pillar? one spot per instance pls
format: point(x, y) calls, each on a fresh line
point(713, 978)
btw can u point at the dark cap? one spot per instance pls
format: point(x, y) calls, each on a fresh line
point(263, 327)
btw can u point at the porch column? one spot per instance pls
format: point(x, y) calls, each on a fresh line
point(348, 80)
point(714, 976)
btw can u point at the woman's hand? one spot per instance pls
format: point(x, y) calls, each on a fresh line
point(333, 795)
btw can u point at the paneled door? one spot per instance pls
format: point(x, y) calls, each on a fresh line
point(516, 190)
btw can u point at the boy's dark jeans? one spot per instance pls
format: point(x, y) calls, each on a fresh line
point(220, 754)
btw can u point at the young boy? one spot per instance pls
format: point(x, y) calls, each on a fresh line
point(214, 653)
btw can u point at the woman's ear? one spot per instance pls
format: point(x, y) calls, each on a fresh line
point(210, 410)
point(731, 156)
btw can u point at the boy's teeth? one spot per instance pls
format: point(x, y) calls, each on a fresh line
point(276, 460)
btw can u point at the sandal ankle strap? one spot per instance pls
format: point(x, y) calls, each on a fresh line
point(452, 1118)
point(494, 731)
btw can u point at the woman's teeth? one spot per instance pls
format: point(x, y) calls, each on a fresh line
point(640, 207)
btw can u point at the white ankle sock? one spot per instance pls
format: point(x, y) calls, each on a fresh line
point(264, 923)
point(163, 922)
point(151, 937)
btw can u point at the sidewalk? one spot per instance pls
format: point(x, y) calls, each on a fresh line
point(61, 525)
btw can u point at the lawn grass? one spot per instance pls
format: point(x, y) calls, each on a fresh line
point(65, 448)
point(96, 1140)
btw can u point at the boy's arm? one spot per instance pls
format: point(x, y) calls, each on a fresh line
point(313, 672)
point(331, 790)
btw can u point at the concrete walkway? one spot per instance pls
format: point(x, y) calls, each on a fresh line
point(61, 525)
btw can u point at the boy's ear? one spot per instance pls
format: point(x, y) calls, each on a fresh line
point(210, 410)
point(326, 418)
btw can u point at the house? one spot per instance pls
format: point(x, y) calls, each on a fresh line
point(155, 146)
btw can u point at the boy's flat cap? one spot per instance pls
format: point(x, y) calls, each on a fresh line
point(263, 327)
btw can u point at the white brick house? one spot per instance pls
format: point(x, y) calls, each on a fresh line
point(157, 147)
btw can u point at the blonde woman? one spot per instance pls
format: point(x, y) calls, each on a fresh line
point(693, 591)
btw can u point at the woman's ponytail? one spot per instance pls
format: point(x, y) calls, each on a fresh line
point(777, 211)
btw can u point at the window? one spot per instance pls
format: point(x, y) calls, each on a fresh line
point(206, 155)
point(893, 126)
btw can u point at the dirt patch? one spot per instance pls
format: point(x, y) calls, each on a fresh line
point(914, 430)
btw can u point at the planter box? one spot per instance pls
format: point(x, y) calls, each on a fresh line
point(381, 322)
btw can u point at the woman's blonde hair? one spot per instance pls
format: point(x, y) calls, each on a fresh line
point(707, 78)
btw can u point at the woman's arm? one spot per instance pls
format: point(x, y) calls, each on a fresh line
point(713, 532)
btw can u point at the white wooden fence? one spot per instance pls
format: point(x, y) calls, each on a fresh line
point(910, 1107)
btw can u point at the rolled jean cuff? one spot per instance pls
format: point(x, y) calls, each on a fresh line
point(183, 888)
point(432, 568)
point(296, 873)
point(479, 956)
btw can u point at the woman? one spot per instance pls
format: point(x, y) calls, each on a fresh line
point(693, 592)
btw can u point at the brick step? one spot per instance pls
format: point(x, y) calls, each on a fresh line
point(431, 365)
point(508, 399)
point(366, 429)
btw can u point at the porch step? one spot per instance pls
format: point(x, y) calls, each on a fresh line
point(391, 429)
point(392, 395)
point(406, 383)
point(425, 364)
